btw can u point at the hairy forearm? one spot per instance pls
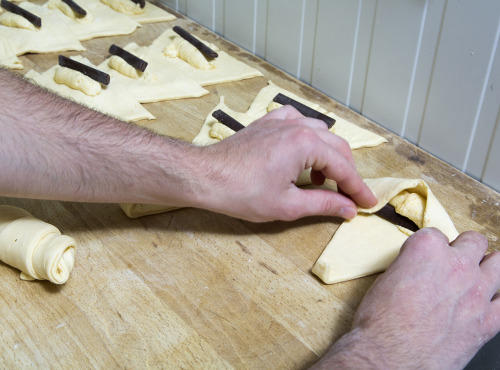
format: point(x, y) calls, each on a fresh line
point(53, 148)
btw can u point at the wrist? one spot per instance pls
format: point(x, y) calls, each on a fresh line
point(355, 350)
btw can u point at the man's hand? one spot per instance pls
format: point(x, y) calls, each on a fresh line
point(434, 307)
point(61, 150)
point(253, 173)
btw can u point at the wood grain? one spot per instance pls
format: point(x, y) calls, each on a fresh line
point(194, 289)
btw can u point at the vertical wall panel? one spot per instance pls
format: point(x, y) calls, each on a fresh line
point(393, 53)
point(239, 22)
point(433, 15)
point(261, 28)
point(361, 54)
point(426, 69)
point(283, 34)
point(462, 58)
point(171, 3)
point(335, 39)
point(202, 12)
point(310, 13)
point(487, 117)
point(219, 16)
point(492, 172)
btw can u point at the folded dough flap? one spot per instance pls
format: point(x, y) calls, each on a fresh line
point(35, 247)
point(396, 191)
point(367, 244)
point(134, 210)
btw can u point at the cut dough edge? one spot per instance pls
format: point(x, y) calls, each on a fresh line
point(367, 244)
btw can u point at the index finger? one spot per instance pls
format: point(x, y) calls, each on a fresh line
point(339, 167)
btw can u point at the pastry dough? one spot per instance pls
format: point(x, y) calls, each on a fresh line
point(124, 6)
point(114, 99)
point(35, 247)
point(160, 81)
point(180, 48)
point(357, 137)
point(67, 11)
point(8, 57)
point(100, 20)
point(134, 210)
point(226, 68)
point(46, 39)
point(77, 80)
point(367, 244)
point(15, 20)
point(153, 14)
point(149, 14)
point(119, 64)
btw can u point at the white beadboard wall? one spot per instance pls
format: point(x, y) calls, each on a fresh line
point(428, 70)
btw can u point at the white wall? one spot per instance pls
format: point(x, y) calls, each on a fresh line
point(428, 70)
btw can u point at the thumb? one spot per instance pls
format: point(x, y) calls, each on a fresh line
point(310, 202)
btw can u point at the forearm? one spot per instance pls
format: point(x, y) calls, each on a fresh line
point(53, 148)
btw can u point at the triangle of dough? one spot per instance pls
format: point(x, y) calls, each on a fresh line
point(114, 99)
point(101, 21)
point(227, 68)
point(356, 136)
point(160, 81)
point(153, 14)
point(367, 244)
point(46, 39)
point(8, 57)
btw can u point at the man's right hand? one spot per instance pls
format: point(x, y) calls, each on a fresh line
point(434, 307)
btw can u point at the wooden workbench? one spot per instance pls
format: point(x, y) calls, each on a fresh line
point(194, 289)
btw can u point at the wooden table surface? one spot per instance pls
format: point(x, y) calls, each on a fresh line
point(195, 289)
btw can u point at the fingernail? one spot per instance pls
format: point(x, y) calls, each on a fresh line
point(348, 212)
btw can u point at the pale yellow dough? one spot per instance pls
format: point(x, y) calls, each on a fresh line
point(14, 20)
point(114, 99)
point(67, 11)
point(160, 81)
point(367, 244)
point(180, 48)
point(124, 6)
point(51, 37)
point(77, 80)
point(356, 136)
point(134, 210)
point(223, 69)
point(8, 57)
point(149, 14)
point(100, 20)
point(35, 247)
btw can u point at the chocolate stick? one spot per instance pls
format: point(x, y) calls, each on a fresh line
point(130, 58)
point(13, 8)
point(204, 49)
point(93, 73)
point(304, 109)
point(142, 3)
point(388, 213)
point(75, 7)
point(227, 120)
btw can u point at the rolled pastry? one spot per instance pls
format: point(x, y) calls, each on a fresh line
point(35, 247)
point(367, 244)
